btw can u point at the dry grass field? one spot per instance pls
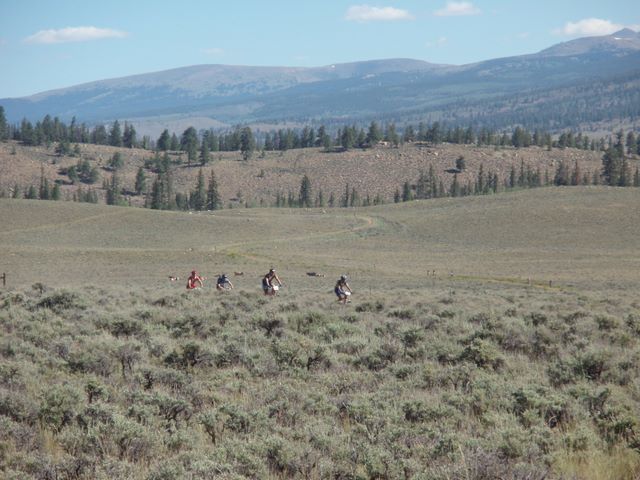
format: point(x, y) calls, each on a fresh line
point(588, 236)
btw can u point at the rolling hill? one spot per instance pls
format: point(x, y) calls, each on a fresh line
point(572, 236)
point(572, 84)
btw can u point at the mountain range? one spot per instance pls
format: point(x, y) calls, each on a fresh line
point(586, 81)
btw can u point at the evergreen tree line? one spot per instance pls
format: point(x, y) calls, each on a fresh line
point(429, 186)
point(199, 146)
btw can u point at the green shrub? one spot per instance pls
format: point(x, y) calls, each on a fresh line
point(235, 419)
point(376, 306)
point(93, 361)
point(61, 301)
point(380, 358)
point(231, 355)
point(483, 354)
point(446, 314)
point(271, 324)
point(305, 323)
point(168, 470)
point(561, 372)
point(287, 354)
point(417, 412)
point(59, 406)
point(191, 355)
point(633, 322)
point(591, 364)
point(18, 406)
point(403, 314)
point(606, 322)
point(536, 318)
point(280, 457)
point(553, 410)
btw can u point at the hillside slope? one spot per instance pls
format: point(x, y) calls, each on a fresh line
point(377, 171)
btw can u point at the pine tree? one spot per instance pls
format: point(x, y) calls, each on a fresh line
point(625, 173)
point(116, 162)
point(164, 141)
point(115, 135)
point(432, 191)
point(562, 176)
point(4, 129)
point(174, 144)
point(347, 138)
point(406, 192)
point(141, 181)
point(304, 199)
point(72, 173)
point(612, 162)
point(99, 135)
point(455, 186)
point(189, 144)
point(247, 143)
point(204, 152)
point(199, 197)
point(41, 193)
point(374, 135)
point(576, 176)
point(94, 175)
point(480, 184)
point(31, 193)
point(129, 139)
point(55, 192)
point(354, 201)
point(408, 136)
point(213, 198)
point(631, 142)
point(156, 194)
point(421, 186)
point(113, 191)
point(391, 135)
point(346, 196)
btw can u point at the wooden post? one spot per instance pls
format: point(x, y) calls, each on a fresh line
point(4, 279)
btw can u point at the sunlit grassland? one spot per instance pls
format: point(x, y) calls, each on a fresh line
point(578, 236)
point(488, 337)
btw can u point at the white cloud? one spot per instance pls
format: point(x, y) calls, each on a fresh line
point(457, 9)
point(215, 51)
point(367, 13)
point(589, 27)
point(523, 35)
point(592, 27)
point(437, 43)
point(74, 34)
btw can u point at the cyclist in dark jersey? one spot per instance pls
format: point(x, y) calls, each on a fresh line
point(342, 289)
point(267, 283)
point(223, 283)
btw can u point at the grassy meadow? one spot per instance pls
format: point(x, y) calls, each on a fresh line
point(488, 337)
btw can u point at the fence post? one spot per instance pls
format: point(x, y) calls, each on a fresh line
point(4, 279)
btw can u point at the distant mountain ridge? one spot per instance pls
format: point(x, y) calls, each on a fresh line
point(398, 89)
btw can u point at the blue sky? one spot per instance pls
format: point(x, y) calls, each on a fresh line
point(48, 44)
